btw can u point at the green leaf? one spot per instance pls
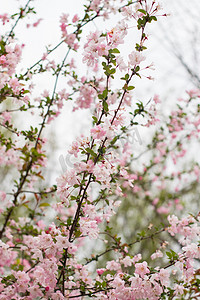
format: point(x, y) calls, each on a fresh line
point(114, 140)
point(153, 18)
point(169, 254)
point(126, 76)
point(112, 71)
point(44, 204)
point(95, 119)
point(142, 11)
point(129, 88)
point(115, 50)
point(105, 106)
point(105, 93)
point(100, 96)
point(90, 151)
point(137, 69)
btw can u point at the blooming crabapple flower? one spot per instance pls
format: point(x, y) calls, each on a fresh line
point(100, 271)
point(37, 254)
point(116, 35)
point(135, 58)
point(179, 290)
point(128, 99)
point(95, 5)
point(37, 22)
point(41, 224)
point(21, 276)
point(112, 98)
point(8, 256)
point(35, 291)
point(45, 240)
point(45, 94)
point(2, 195)
point(157, 254)
point(113, 265)
point(163, 276)
point(85, 275)
point(98, 132)
point(70, 39)
point(6, 117)
point(163, 210)
point(127, 261)
point(118, 283)
point(86, 96)
point(156, 99)
point(64, 18)
point(57, 296)
point(121, 64)
point(4, 78)
point(64, 182)
point(118, 190)
point(141, 269)
point(90, 211)
point(173, 221)
point(8, 157)
point(194, 93)
point(89, 227)
point(2, 60)
point(102, 49)
point(127, 12)
point(192, 251)
point(74, 149)
point(4, 18)
point(62, 242)
point(75, 18)
point(82, 166)
point(102, 172)
point(94, 48)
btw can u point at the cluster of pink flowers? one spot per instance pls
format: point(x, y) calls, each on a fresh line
point(69, 38)
point(4, 18)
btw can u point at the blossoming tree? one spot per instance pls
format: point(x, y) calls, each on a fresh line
point(42, 259)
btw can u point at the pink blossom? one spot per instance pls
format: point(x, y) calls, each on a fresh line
point(14, 84)
point(74, 149)
point(135, 58)
point(163, 276)
point(75, 18)
point(37, 22)
point(157, 254)
point(64, 18)
point(100, 271)
point(98, 132)
point(121, 64)
point(2, 196)
point(127, 261)
point(35, 291)
point(156, 99)
point(62, 242)
point(89, 227)
point(141, 269)
point(2, 59)
point(163, 210)
point(192, 251)
point(194, 93)
point(113, 265)
point(4, 18)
